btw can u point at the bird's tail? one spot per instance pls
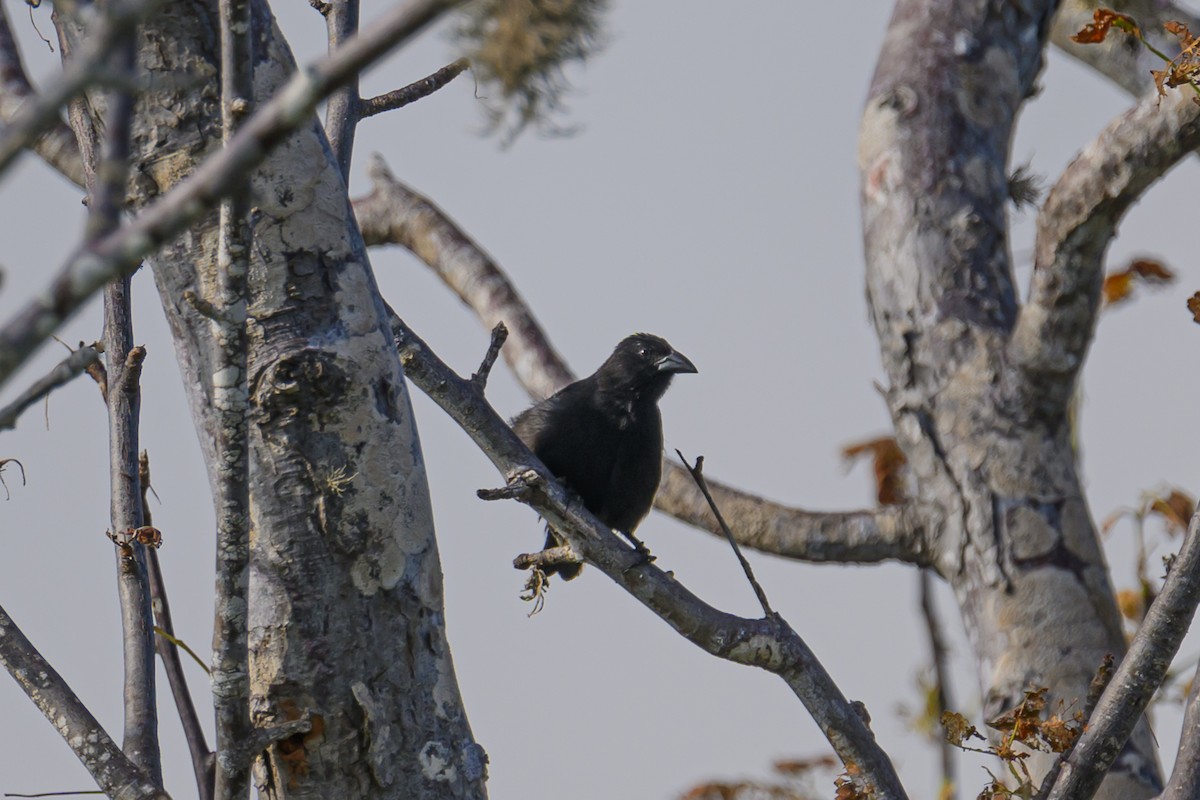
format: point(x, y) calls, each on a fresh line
point(565, 571)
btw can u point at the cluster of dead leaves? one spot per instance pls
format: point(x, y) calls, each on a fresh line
point(1029, 725)
point(1181, 70)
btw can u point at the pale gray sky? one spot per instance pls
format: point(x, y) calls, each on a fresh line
point(710, 197)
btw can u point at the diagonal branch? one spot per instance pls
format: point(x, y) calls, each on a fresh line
point(67, 370)
point(399, 98)
point(1138, 677)
point(1075, 226)
point(115, 774)
point(394, 214)
point(121, 252)
point(168, 652)
point(1184, 783)
point(107, 24)
point(767, 643)
point(56, 144)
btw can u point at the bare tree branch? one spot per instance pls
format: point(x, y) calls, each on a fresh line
point(1138, 677)
point(398, 98)
point(120, 252)
point(697, 473)
point(1075, 226)
point(850, 537)
point(56, 145)
point(230, 666)
point(343, 109)
point(193, 732)
point(1184, 783)
point(394, 214)
point(766, 643)
point(115, 774)
point(106, 169)
point(107, 23)
point(133, 585)
point(346, 107)
point(67, 370)
point(939, 655)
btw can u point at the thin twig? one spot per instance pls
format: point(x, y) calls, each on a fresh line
point(5, 462)
point(66, 371)
point(697, 473)
point(480, 378)
point(168, 646)
point(941, 676)
point(398, 98)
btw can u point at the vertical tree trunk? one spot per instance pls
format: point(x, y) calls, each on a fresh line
point(994, 462)
point(345, 611)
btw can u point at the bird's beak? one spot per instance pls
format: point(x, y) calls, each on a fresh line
point(674, 362)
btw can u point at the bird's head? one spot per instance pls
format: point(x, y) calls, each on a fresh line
point(643, 364)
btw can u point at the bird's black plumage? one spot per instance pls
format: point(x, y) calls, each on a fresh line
point(602, 435)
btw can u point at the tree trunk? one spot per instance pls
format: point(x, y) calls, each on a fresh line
point(992, 453)
point(345, 610)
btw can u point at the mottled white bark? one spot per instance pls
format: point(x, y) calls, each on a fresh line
point(996, 472)
point(345, 608)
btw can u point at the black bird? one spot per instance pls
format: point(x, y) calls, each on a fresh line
point(602, 435)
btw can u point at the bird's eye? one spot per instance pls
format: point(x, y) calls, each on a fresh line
point(642, 351)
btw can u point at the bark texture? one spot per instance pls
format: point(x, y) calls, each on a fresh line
point(345, 611)
point(994, 463)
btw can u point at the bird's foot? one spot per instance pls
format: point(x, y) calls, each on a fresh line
point(639, 547)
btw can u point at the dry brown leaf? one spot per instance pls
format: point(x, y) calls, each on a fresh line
point(1176, 509)
point(1118, 287)
point(958, 729)
point(888, 462)
point(1193, 305)
point(1151, 271)
point(1103, 20)
point(800, 766)
point(1130, 602)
